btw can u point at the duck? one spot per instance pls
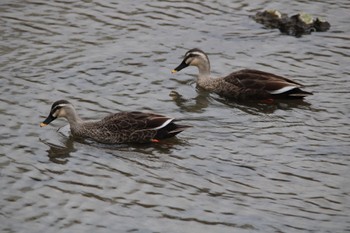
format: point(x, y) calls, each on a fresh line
point(245, 84)
point(121, 127)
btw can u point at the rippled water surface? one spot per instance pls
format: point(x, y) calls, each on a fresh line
point(282, 167)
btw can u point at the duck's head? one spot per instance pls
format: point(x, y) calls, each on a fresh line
point(194, 57)
point(60, 108)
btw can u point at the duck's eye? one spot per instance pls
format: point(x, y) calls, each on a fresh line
point(190, 58)
point(56, 110)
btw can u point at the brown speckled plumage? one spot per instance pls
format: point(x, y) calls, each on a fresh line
point(243, 84)
point(123, 127)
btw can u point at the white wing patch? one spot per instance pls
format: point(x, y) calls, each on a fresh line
point(282, 90)
point(165, 123)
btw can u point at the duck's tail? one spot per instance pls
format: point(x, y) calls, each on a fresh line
point(295, 93)
point(170, 130)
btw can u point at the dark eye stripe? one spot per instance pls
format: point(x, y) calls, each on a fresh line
point(191, 55)
point(57, 107)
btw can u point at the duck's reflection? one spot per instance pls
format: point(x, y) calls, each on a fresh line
point(204, 98)
point(59, 153)
point(196, 104)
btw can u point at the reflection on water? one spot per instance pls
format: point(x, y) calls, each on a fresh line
point(243, 167)
point(59, 154)
point(203, 98)
point(196, 104)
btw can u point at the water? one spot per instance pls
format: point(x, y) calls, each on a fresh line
point(241, 168)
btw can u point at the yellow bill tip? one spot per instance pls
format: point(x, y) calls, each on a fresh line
point(173, 71)
point(42, 124)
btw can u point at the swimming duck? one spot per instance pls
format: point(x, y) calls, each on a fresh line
point(123, 127)
point(243, 84)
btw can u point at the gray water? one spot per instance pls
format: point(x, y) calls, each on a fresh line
point(282, 167)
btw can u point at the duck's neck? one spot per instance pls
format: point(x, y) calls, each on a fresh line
point(204, 69)
point(204, 80)
point(74, 120)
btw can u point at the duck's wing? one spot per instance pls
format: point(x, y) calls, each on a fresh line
point(260, 80)
point(135, 121)
point(127, 127)
point(258, 74)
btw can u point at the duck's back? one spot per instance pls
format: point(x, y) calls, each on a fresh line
point(133, 121)
point(127, 127)
point(247, 77)
point(256, 84)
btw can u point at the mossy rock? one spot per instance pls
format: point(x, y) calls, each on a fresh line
point(296, 25)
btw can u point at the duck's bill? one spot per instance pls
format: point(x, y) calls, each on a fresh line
point(180, 67)
point(42, 124)
point(47, 121)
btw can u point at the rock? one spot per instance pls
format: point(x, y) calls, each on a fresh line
point(296, 25)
